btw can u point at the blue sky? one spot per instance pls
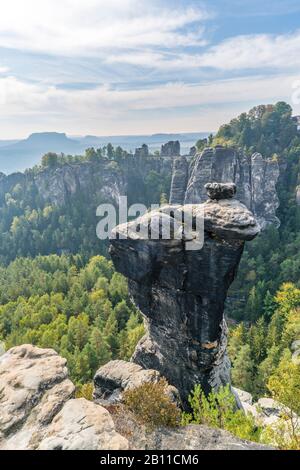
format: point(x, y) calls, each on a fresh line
point(135, 66)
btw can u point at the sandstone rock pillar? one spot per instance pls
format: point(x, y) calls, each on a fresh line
point(181, 292)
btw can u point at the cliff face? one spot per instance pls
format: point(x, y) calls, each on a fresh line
point(179, 182)
point(170, 149)
point(254, 177)
point(106, 178)
point(180, 292)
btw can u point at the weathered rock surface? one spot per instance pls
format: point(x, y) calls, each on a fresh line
point(103, 179)
point(170, 149)
point(218, 191)
point(255, 179)
point(82, 425)
point(200, 438)
point(245, 397)
point(36, 404)
point(179, 180)
point(38, 411)
point(118, 376)
point(181, 292)
point(268, 412)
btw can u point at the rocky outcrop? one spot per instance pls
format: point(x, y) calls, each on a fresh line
point(193, 151)
point(179, 180)
point(95, 181)
point(117, 376)
point(58, 185)
point(181, 292)
point(170, 149)
point(38, 410)
point(200, 438)
point(255, 179)
point(106, 181)
point(82, 425)
point(268, 412)
point(142, 152)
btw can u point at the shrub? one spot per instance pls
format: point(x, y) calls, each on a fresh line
point(219, 410)
point(151, 405)
point(85, 391)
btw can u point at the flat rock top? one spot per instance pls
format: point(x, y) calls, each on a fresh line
point(227, 218)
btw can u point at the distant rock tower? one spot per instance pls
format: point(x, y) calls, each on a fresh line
point(170, 149)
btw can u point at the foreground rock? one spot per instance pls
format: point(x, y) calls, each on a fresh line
point(38, 412)
point(82, 425)
point(116, 377)
point(37, 409)
point(200, 438)
point(270, 414)
point(181, 291)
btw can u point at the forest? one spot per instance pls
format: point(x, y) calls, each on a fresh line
point(58, 287)
point(82, 310)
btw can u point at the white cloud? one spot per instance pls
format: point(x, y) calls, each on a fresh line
point(87, 27)
point(18, 97)
point(255, 51)
point(237, 53)
point(4, 70)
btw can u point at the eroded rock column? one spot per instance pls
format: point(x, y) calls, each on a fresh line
point(181, 292)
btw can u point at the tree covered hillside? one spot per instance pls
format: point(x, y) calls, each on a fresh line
point(81, 310)
point(274, 257)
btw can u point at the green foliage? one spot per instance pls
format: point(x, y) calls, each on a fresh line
point(85, 391)
point(274, 256)
point(50, 160)
point(267, 129)
point(284, 385)
point(81, 310)
point(256, 351)
point(151, 405)
point(219, 410)
point(31, 225)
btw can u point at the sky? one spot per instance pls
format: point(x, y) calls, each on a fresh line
point(111, 67)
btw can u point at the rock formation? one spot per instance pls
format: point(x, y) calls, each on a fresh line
point(38, 410)
point(170, 149)
point(255, 179)
point(181, 292)
point(142, 152)
point(117, 376)
point(200, 438)
point(179, 180)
